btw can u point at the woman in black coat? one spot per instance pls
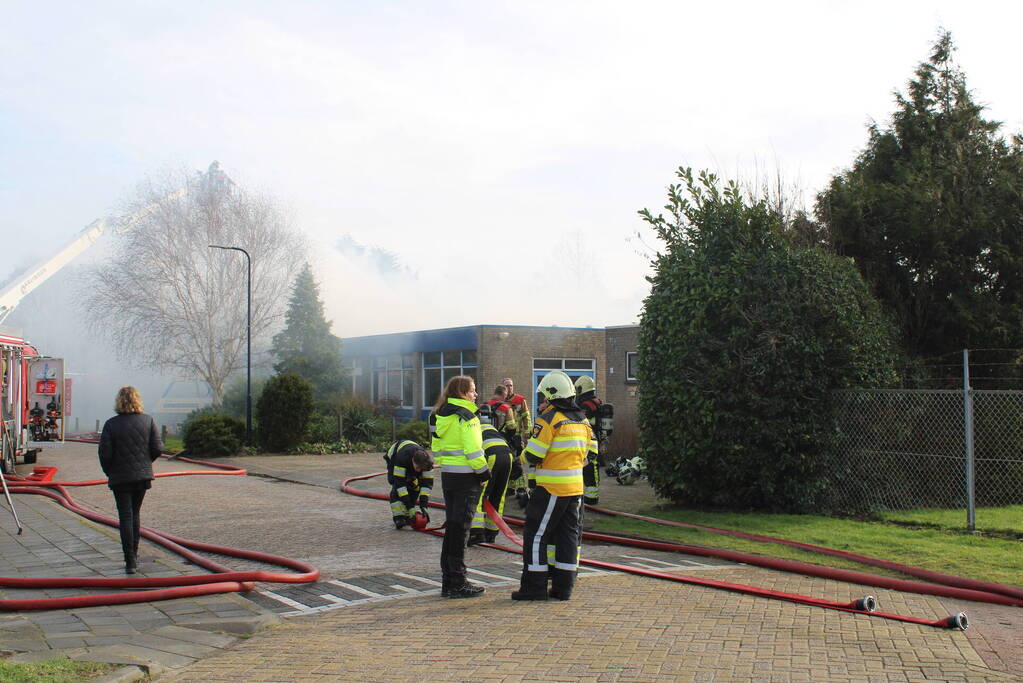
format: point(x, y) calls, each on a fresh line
point(127, 448)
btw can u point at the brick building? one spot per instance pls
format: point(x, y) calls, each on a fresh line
point(410, 368)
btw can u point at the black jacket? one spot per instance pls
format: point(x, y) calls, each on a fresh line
point(127, 448)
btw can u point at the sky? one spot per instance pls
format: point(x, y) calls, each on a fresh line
point(500, 150)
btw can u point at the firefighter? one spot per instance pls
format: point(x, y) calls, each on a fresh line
point(523, 420)
point(586, 390)
point(499, 460)
point(560, 444)
point(502, 417)
point(457, 445)
point(408, 473)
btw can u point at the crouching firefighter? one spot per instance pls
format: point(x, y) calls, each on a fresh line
point(408, 473)
point(499, 460)
point(560, 445)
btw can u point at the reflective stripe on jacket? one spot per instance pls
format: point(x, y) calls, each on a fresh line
point(562, 446)
point(457, 442)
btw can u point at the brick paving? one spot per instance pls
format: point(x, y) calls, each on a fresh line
point(616, 628)
point(374, 615)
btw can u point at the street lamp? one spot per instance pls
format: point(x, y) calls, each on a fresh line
point(248, 344)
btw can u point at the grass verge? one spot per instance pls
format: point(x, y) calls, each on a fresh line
point(62, 670)
point(1001, 521)
point(990, 559)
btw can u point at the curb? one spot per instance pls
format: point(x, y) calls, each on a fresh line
point(126, 674)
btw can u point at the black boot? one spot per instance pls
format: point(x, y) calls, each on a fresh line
point(561, 584)
point(476, 537)
point(400, 522)
point(130, 565)
point(490, 536)
point(533, 586)
point(466, 590)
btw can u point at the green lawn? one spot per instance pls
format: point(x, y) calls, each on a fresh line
point(61, 670)
point(991, 559)
point(1004, 520)
point(173, 444)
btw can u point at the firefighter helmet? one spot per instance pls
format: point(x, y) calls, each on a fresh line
point(584, 384)
point(556, 384)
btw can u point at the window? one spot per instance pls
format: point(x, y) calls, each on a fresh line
point(573, 367)
point(631, 358)
point(392, 379)
point(440, 366)
point(355, 372)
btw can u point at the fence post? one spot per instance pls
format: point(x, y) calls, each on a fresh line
point(971, 510)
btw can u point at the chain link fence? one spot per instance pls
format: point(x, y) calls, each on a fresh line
point(904, 449)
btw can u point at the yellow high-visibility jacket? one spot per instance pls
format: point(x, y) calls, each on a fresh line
point(560, 444)
point(457, 442)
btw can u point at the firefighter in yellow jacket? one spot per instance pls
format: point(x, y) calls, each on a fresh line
point(457, 445)
point(560, 445)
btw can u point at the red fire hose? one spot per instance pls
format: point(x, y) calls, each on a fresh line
point(866, 605)
point(222, 580)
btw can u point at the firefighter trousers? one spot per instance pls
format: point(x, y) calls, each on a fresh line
point(551, 520)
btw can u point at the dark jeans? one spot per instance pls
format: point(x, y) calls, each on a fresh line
point(459, 506)
point(129, 503)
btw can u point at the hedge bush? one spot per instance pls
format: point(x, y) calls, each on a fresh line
point(743, 341)
point(213, 434)
point(415, 431)
point(284, 411)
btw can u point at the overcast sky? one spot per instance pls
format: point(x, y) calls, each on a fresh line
point(482, 142)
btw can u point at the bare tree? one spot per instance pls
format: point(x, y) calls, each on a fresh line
point(167, 300)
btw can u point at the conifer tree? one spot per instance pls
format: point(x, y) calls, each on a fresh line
point(932, 214)
point(306, 346)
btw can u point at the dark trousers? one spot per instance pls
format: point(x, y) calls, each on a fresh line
point(493, 490)
point(459, 506)
point(129, 503)
point(550, 520)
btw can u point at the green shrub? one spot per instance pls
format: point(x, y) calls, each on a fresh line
point(415, 431)
point(361, 422)
point(284, 411)
point(743, 342)
point(331, 447)
point(322, 428)
point(214, 434)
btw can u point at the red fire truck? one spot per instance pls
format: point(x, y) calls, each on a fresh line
point(34, 401)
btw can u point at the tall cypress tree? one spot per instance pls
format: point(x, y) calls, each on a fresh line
point(932, 214)
point(306, 346)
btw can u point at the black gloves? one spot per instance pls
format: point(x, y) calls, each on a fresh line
point(422, 509)
point(483, 477)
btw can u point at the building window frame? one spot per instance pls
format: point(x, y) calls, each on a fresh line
point(631, 358)
point(393, 368)
point(439, 366)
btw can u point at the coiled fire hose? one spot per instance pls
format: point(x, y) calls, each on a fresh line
point(222, 580)
point(866, 605)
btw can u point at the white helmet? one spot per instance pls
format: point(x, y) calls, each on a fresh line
point(585, 383)
point(556, 384)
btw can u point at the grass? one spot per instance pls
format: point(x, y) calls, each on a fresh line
point(61, 670)
point(173, 444)
point(978, 557)
point(1005, 521)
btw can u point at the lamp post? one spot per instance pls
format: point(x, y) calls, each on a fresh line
point(248, 343)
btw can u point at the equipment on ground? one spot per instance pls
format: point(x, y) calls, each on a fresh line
point(419, 521)
point(626, 471)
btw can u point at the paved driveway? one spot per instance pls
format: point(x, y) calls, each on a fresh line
point(376, 615)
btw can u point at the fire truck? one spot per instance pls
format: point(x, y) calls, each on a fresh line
point(34, 400)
